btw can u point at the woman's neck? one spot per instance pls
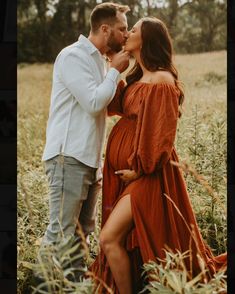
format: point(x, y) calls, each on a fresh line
point(138, 59)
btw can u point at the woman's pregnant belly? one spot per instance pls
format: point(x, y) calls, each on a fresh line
point(120, 143)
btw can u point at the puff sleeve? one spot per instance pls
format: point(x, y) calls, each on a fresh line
point(156, 128)
point(115, 106)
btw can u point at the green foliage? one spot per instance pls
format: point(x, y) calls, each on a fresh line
point(209, 23)
point(45, 27)
point(207, 153)
point(214, 78)
point(202, 142)
point(170, 276)
point(55, 268)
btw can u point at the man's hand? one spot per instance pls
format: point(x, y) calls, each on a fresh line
point(120, 61)
point(127, 175)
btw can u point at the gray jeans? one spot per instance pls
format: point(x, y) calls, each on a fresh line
point(73, 196)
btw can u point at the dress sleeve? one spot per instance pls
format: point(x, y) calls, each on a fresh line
point(115, 106)
point(156, 129)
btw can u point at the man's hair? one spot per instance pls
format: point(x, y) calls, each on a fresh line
point(106, 13)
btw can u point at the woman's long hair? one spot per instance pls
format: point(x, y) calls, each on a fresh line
point(156, 53)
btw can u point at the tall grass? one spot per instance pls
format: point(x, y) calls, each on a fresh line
point(201, 143)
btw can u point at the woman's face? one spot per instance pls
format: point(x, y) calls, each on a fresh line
point(134, 41)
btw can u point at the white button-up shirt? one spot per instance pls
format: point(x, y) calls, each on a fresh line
point(81, 91)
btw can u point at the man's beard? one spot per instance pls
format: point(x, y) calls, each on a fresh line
point(113, 44)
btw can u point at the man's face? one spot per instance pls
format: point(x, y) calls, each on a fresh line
point(119, 33)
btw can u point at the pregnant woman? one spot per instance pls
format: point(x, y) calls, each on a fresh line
point(145, 207)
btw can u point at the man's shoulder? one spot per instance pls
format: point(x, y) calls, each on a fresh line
point(76, 47)
point(74, 50)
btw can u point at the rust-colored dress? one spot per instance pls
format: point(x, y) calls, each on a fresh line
point(143, 140)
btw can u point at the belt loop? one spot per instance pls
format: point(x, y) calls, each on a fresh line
point(61, 158)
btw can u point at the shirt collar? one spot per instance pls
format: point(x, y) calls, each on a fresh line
point(88, 44)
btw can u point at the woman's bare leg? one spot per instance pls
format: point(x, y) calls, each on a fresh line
point(112, 240)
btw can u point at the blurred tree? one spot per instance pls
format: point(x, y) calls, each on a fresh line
point(33, 28)
point(168, 13)
point(46, 26)
point(23, 10)
point(211, 16)
point(64, 24)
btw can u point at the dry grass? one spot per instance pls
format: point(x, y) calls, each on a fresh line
point(201, 142)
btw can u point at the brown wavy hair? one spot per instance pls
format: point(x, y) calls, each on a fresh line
point(106, 13)
point(156, 53)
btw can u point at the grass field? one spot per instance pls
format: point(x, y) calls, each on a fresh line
point(201, 142)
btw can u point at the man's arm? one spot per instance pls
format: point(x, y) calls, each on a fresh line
point(78, 77)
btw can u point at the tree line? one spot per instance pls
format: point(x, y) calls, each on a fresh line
point(46, 26)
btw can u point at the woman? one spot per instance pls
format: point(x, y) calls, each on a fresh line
point(146, 208)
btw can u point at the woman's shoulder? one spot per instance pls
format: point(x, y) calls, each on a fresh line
point(162, 77)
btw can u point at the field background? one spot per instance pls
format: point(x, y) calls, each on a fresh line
point(201, 142)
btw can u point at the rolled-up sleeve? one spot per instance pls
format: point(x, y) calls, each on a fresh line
point(78, 76)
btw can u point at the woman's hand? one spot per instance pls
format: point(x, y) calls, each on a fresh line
point(127, 175)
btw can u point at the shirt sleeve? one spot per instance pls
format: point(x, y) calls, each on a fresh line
point(78, 77)
point(115, 106)
point(156, 129)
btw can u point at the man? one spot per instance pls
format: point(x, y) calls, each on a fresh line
point(81, 91)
